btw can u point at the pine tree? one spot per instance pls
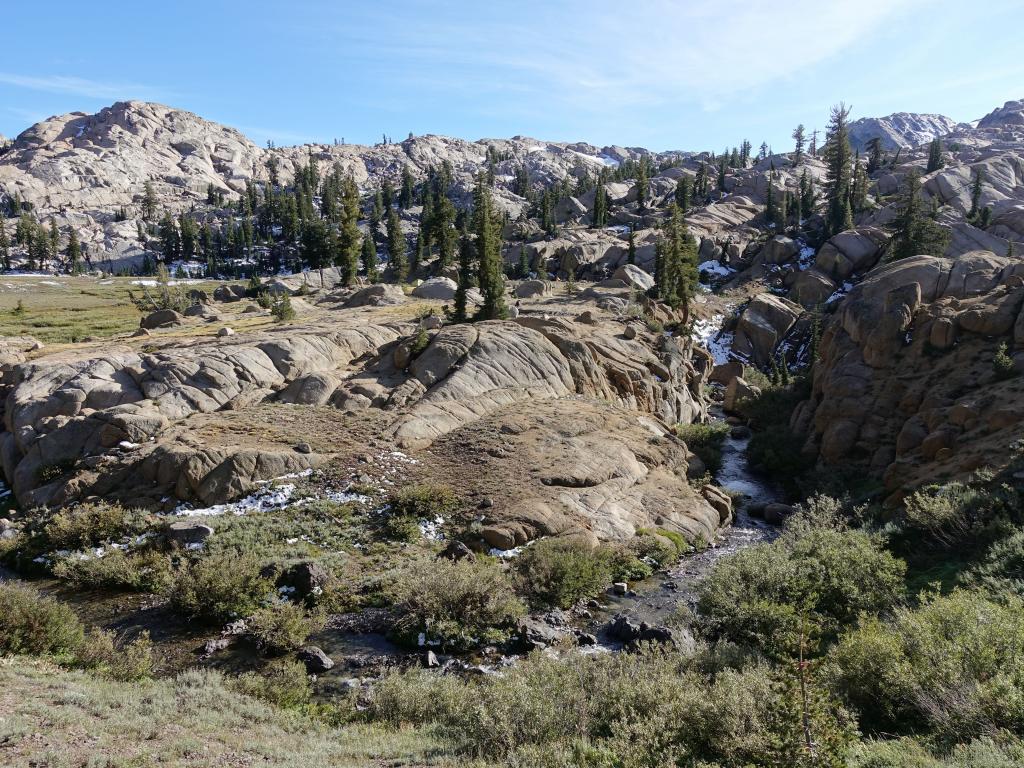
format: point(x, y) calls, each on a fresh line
point(53, 239)
point(916, 233)
point(771, 210)
point(444, 227)
point(465, 279)
point(874, 150)
point(764, 150)
point(349, 237)
point(721, 175)
point(678, 261)
point(488, 254)
point(1009, 250)
point(405, 197)
point(396, 248)
point(838, 161)
point(5, 246)
point(369, 249)
point(523, 268)
point(745, 148)
point(979, 177)
point(859, 189)
point(170, 241)
point(74, 253)
point(631, 247)
point(798, 141)
point(316, 245)
point(812, 147)
point(148, 202)
point(683, 193)
point(600, 217)
point(642, 180)
point(935, 161)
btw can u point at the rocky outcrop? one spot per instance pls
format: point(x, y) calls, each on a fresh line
point(761, 326)
point(900, 130)
point(906, 386)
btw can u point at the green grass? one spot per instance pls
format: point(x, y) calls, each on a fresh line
point(61, 719)
point(76, 309)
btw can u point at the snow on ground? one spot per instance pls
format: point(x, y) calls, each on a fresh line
point(709, 334)
point(840, 292)
point(806, 257)
point(266, 499)
point(611, 162)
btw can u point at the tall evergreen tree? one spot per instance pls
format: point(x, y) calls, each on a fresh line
point(916, 233)
point(74, 253)
point(148, 202)
point(683, 193)
point(874, 150)
point(979, 177)
point(488, 253)
point(838, 162)
point(397, 259)
point(798, 144)
point(465, 279)
point(642, 181)
point(679, 261)
point(771, 206)
point(369, 249)
point(600, 216)
point(631, 247)
point(721, 175)
point(405, 197)
point(745, 148)
point(349, 238)
point(5, 246)
point(316, 245)
point(170, 241)
point(812, 147)
point(935, 161)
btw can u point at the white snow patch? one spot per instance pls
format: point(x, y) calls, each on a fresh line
point(709, 334)
point(266, 499)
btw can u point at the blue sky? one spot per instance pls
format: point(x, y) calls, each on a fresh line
point(690, 74)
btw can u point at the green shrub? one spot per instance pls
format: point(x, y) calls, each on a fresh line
point(282, 308)
point(264, 299)
point(606, 711)
point(100, 651)
point(457, 603)
point(407, 506)
point(282, 626)
point(36, 625)
point(219, 587)
point(87, 525)
point(954, 665)
point(560, 572)
point(282, 682)
point(144, 571)
point(816, 579)
point(1002, 363)
point(705, 440)
point(1003, 566)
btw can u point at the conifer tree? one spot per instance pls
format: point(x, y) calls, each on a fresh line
point(347, 256)
point(745, 148)
point(397, 259)
point(771, 210)
point(935, 161)
point(523, 267)
point(979, 177)
point(170, 242)
point(316, 245)
point(488, 254)
point(874, 150)
point(812, 147)
point(721, 175)
point(369, 250)
point(53, 238)
point(465, 279)
point(405, 197)
point(444, 227)
point(764, 150)
point(74, 253)
point(676, 260)
point(915, 232)
point(5, 246)
point(600, 216)
point(148, 202)
point(798, 142)
point(631, 247)
point(838, 161)
point(642, 180)
point(682, 195)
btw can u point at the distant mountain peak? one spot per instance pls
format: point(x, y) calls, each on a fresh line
point(901, 130)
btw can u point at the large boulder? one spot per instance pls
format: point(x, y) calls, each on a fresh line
point(162, 318)
point(737, 391)
point(634, 277)
point(379, 295)
point(778, 250)
point(849, 252)
point(438, 288)
point(762, 324)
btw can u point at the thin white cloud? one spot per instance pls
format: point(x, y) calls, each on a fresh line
point(598, 55)
point(79, 86)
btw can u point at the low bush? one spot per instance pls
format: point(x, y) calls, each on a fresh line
point(810, 580)
point(87, 525)
point(144, 571)
point(282, 626)
point(705, 440)
point(954, 665)
point(219, 587)
point(559, 572)
point(1002, 363)
point(101, 651)
point(457, 603)
point(651, 708)
point(1002, 567)
point(36, 625)
point(407, 506)
point(283, 682)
